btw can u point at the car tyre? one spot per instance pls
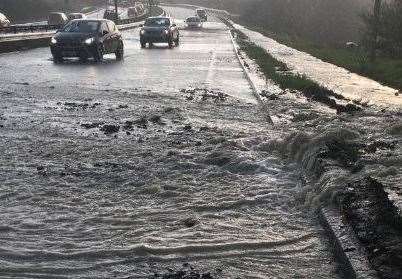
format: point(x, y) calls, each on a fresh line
point(170, 43)
point(57, 58)
point(143, 44)
point(84, 57)
point(120, 52)
point(177, 41)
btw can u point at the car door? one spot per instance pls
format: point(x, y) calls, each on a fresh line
point(105, 39)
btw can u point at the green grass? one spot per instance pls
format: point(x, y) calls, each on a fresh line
point(274, 69)
point(385, 70)
point(279, 73)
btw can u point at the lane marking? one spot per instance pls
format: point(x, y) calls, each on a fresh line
point(211, 69)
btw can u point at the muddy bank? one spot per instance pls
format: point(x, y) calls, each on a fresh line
point(377, 224)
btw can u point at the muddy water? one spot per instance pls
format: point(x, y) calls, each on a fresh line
point(185, 187)
point(131, 182)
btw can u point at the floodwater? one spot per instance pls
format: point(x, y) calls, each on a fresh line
point(111, 171)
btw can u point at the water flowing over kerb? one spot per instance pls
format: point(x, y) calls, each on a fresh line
point(337, 79)
point(327, 178)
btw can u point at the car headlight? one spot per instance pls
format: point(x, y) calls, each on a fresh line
point(53, 41)
point(142, 32)
point(89, 41)
point(166, 32)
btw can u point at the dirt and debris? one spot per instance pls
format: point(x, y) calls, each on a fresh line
point(187, 271)
point(204, 94)
point(328, 97)
point(77, 105)
point(91, 125)
point(269, 96)
point(377, 224)
point(110, 129)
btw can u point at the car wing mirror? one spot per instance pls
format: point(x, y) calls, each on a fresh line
point(141, 25)
point(174, 25)
point(104, 33)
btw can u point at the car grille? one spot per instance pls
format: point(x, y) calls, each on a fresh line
point(71, 43)
point(153, 33)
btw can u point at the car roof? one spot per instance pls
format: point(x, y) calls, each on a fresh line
point(75, 13)
point(94, 19)
point(165, 17)
point(57, 13)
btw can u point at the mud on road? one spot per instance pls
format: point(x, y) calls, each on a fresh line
point(139, 183)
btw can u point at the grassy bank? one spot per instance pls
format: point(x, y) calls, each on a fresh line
point(279, 73)
point(385, 70)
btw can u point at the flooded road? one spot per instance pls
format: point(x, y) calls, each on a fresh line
point(145, 167)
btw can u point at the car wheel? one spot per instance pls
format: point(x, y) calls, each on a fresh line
point(57, 58)
point(84, 57)
point(150, 45)
point(177, 41)
point(120, 52)
point(170, 44)
point(98, 55)
point(143, 44)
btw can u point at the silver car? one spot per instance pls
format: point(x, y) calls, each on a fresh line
point(194, 22)
point(4, 22)
point(57, 19)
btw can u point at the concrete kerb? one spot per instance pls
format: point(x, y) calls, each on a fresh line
point(43, 40)
point(252, 85)
point(348, 250)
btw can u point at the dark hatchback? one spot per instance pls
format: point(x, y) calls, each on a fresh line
point(87, 38)
point(159, 30)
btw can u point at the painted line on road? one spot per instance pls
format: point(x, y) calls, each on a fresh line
point(211, 69)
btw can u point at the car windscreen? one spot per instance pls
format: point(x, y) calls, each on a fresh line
point(157, 22)
point(201, 12)
point(81, 27)
point(193, 19)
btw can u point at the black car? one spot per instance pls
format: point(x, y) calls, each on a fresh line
point(159, 30)
point(86, 38)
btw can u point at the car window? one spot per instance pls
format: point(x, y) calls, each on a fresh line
point(157, 22)
point(81, 26)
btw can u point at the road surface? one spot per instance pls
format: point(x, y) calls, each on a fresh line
point(145, 167)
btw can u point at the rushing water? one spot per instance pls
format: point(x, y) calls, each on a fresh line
point(79, 204)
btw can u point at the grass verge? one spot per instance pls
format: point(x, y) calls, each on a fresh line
point(385, 70)
point(281, 75)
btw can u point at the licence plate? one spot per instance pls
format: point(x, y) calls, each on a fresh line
point(69, 53)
